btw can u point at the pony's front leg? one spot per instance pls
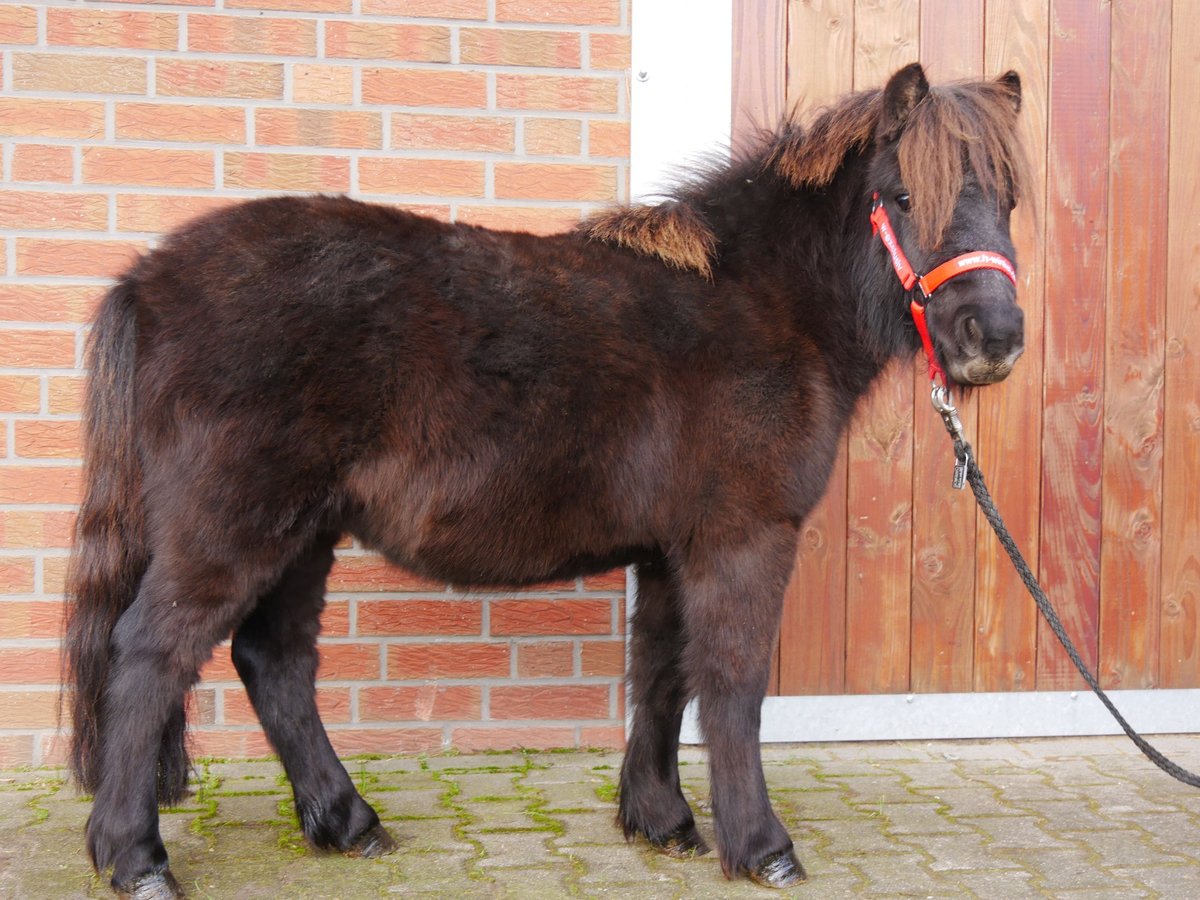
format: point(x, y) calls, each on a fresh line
point(733, 594)
point(651, 802)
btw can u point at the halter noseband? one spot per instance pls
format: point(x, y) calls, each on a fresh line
point(930, 281)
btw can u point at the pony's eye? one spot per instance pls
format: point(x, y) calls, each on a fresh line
point(903, 201)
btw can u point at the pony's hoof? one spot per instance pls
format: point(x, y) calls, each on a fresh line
point(151, 886)
point(682, 844)
point(779, 870)
point(373, 843)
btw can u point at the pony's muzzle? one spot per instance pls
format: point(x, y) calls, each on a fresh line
point(989, 339)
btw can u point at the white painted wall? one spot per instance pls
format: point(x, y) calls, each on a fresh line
point(681, 88)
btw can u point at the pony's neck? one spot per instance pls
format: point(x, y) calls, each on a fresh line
point(811, 250)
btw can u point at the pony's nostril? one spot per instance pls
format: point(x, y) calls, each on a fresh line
point(971, 334)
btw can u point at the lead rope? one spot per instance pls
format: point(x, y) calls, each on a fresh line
point(965, 467)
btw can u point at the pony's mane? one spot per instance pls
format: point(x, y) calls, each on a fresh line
point(971, 122)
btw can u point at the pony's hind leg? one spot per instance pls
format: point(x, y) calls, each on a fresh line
point(185, 605)
point(274, 651)
point(651, 802)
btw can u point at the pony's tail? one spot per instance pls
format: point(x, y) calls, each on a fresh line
point(110, 554)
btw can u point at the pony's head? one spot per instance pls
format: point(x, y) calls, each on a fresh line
point(942, 168)
point(944, 176)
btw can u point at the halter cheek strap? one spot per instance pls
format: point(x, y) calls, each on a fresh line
point(881, 225)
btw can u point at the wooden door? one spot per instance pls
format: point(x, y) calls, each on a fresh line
point(1092, 446)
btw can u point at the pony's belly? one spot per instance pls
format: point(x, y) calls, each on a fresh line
point(479, 526)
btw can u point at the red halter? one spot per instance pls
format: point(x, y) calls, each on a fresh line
point(931, 281)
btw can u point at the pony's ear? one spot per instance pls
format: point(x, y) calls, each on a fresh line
point(904, 91)
point(1011, 82)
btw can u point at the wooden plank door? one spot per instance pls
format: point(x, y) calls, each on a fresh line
point(1091, 447)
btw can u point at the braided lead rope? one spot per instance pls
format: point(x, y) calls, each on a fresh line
point(962, 450)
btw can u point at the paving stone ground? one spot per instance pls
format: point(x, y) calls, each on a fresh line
point(1063, 818)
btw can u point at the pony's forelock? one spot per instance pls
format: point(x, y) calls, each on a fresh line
point(968, 122)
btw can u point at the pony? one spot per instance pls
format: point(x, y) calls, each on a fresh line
point(663, 387)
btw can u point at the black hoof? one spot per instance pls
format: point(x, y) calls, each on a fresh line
point(373, 843)
point(151, 886)
point(779, 870)
point(682, 844)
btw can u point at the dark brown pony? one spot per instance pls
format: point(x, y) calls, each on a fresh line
point(663, 387)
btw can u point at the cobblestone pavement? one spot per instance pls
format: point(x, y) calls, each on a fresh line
point(1070, 818)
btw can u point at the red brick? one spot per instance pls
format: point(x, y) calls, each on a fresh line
point(418, 617)
point(602, 737)
point(551, 617)
point(81, 258)
point(76, 73)
point(20, 393)
point(457, 660)
point(29, 709)
point(27, 117)
point(534, 738)
point(31, 618)
point(16, 576)
point(251, 34)
point(220, 667)
point(335, 618)
point(65, 394)
point(31, 210)
point(564, 12)
point(608, 51)
point(371, 573)
point(190, 122)
point(306, 6)
point(200, 707)
point(480, 133)
point(534, 219)
point(90, 27)
point(551, 181)
point(608, 138)
point(553, 137)
point(47, 439)
point(15, 749)
point(381, 40)
point(55, 749)
point(222, 743)
point(424, 87)
point(355, 741)
point(512, 47)
point(602, 658)
point(33, 163)
point(287, 172)
point(318, 128)
point(345, 662)
point(567, 92)
point(36, 529)
point(218, 78)
point(30, 665)
point(552, 659)
point(426, 177)
point(333, 704)
point(160, 213)
point(605, 581)
point(54, 575)
point(320, 83)
point(38, 348)
point(49, 303)
point(419, 704)
point(39, 484)
point(148, 167)
point(430, 9)
point(550, 701)
point(18, 25)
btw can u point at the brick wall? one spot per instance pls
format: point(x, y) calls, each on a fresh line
point(120, 120)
